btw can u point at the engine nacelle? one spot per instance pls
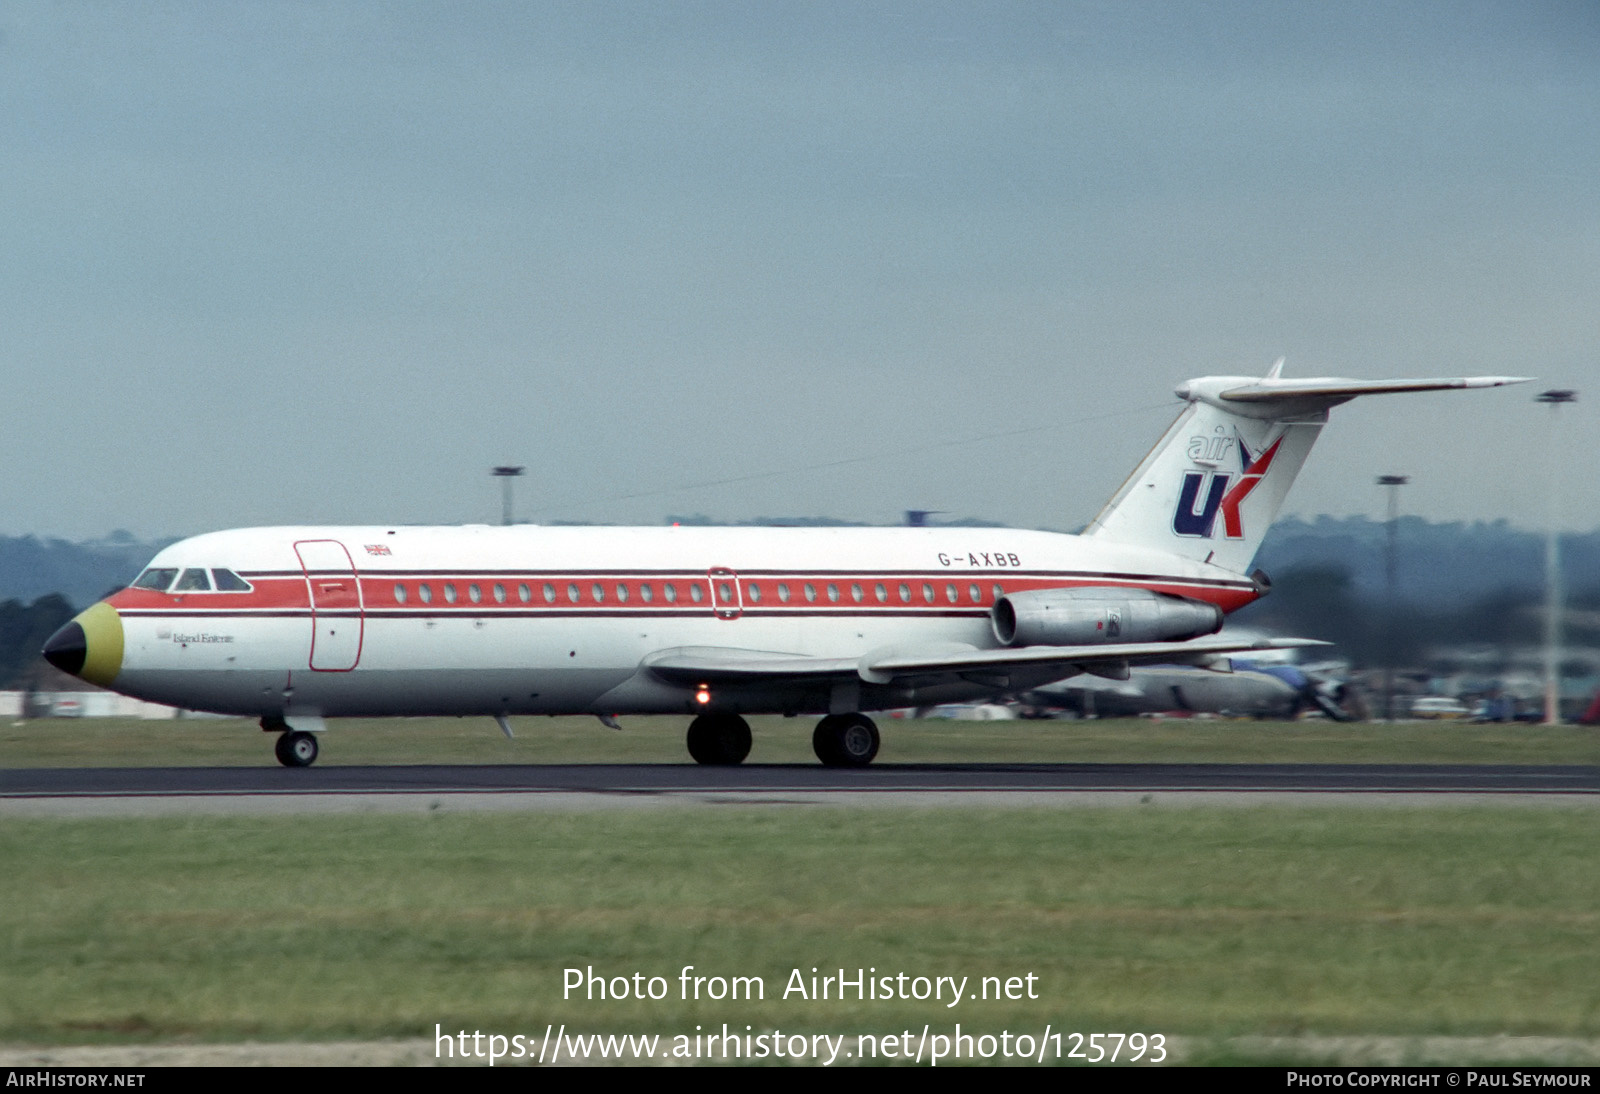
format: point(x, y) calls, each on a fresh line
point(1093, 615)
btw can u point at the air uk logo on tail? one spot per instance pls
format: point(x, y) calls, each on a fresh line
point(1206, 493)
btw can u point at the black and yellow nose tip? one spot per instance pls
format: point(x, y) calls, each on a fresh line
point(90, 646)
point(68, 648)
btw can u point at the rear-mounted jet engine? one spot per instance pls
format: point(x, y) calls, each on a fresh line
point(1094, 616)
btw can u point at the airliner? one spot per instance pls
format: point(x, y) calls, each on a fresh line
point(296, 625)
point(1240, 687)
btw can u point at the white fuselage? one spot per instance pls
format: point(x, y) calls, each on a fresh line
point(342, 621)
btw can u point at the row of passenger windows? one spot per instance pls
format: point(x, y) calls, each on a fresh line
point(623, 592)
point(192, 580)
point(451, 593)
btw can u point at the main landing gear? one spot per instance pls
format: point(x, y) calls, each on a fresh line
point(719, 740)
point(845, 740)
point(840, 740)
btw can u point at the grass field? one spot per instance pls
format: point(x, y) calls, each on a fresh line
point(236, 742)
point(1200, 922)
point(1210, 923)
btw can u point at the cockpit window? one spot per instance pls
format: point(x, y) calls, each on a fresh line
point(193, 581)
point(155, 579)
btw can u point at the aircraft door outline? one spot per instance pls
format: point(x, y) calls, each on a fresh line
point(727, 600)
point(334, 589)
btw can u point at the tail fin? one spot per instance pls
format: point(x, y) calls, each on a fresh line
point(1212, 486)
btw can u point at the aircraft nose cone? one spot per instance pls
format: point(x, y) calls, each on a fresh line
point(68, 648)
point(90, 646)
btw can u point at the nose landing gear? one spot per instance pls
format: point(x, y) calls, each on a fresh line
point(296, 749)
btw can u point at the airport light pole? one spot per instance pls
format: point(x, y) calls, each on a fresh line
point(1555, 399)
point(1394, 483)
point(505, 475)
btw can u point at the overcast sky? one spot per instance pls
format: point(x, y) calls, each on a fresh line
point(270, 263)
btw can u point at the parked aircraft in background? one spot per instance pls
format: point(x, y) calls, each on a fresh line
point(1234, 686)
point(296, 625)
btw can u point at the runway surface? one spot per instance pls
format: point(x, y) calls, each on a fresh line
point(953, 782)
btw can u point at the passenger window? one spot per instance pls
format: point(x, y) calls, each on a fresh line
point(474, 594)
point(450, 594)
point(193, 581)
point(905, 593)
point(998, 592)
point(833, 592)
point(927, 592)
point(811, 591)
point(499, 593)
point(855, 592)
point(598, 593)
point(549, 593)
point(755, 593)
point(975, 593)
point(155, 580)
point(696, 593)
point(622, 593)
point(950, 594)
point(783, 591)
point(425, 594)
point(229, 582)
point(525, 594)
point(399, 594)
point(881, 593)
point(670, 592)
point(646, 593)
point(573, 594)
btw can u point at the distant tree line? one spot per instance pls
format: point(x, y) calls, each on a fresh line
point(82, 572)
point(1323, 601)
point(1435, 561)
point(24, 629)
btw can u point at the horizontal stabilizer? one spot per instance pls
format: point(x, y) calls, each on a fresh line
point(1212, 486)
point(1276, 390)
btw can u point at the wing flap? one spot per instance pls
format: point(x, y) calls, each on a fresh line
point(725, 665)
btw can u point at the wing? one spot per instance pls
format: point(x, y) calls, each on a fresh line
point(952, 663)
